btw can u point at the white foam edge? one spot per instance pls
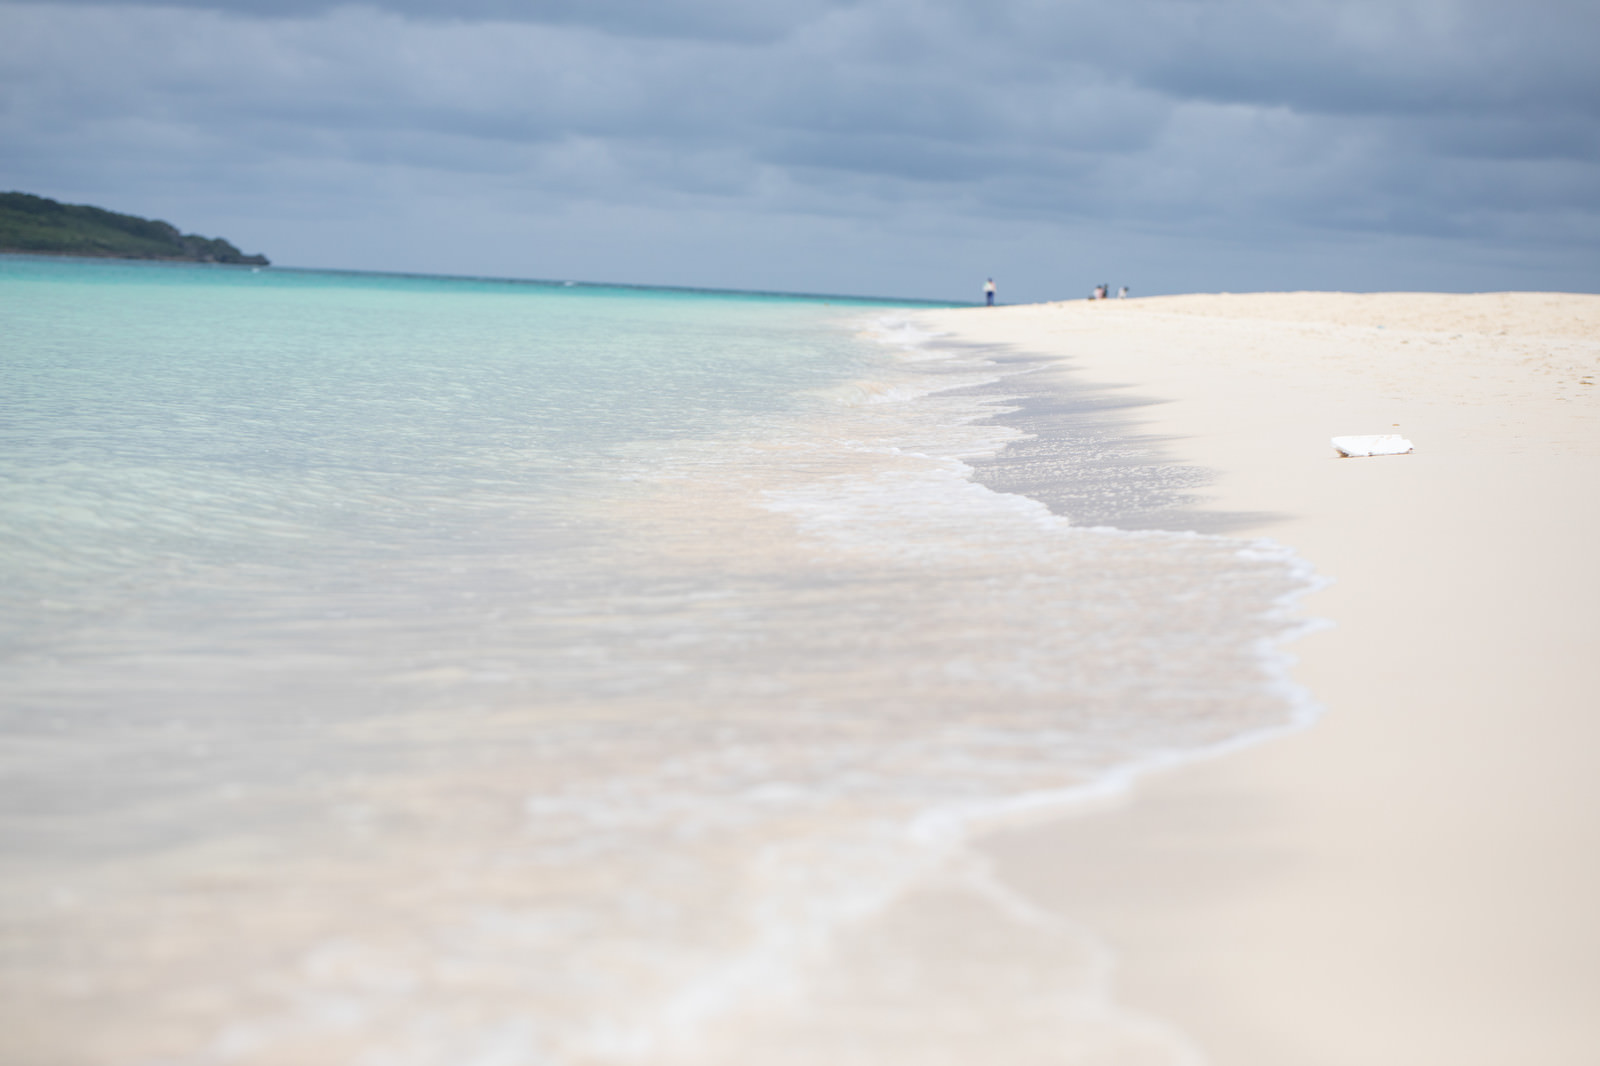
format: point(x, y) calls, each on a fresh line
point(901, 335)
point(950, 827)
point(895, 331)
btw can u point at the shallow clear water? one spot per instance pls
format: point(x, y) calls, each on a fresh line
point(426, 671)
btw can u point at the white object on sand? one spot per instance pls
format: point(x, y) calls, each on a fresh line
point(1378, 444)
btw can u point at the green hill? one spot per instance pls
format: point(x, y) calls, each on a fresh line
point(36, 224)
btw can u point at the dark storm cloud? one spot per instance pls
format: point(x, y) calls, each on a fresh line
point(1343, 57)
point(1363, 57)
point(1253, 120)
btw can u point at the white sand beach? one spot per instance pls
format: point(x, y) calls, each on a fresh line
point(1413, 880)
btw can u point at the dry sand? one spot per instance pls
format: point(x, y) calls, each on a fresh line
point(1416, 879)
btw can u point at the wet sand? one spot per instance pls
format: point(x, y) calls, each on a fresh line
point(1414, 879)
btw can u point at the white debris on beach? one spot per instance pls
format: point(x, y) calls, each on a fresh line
point(1377, 444)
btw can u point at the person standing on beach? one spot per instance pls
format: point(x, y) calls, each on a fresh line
point(1122, 293)
point(988, 292)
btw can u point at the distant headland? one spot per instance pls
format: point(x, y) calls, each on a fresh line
point(42, 226)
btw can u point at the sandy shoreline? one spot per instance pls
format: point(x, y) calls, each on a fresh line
point(1412, 880)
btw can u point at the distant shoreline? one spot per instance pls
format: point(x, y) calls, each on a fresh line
point(38, 225)
point(135, 258)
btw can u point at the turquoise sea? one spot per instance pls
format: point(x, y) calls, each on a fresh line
point(402, 670)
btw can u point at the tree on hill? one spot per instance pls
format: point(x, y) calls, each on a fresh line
point(38, 224)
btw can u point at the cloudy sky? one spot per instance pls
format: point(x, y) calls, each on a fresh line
point(894, 147)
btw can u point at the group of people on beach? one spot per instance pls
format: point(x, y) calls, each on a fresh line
point(1101, 292)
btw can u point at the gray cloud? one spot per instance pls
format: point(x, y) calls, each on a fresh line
point(720, 20)
point(1195, 131)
